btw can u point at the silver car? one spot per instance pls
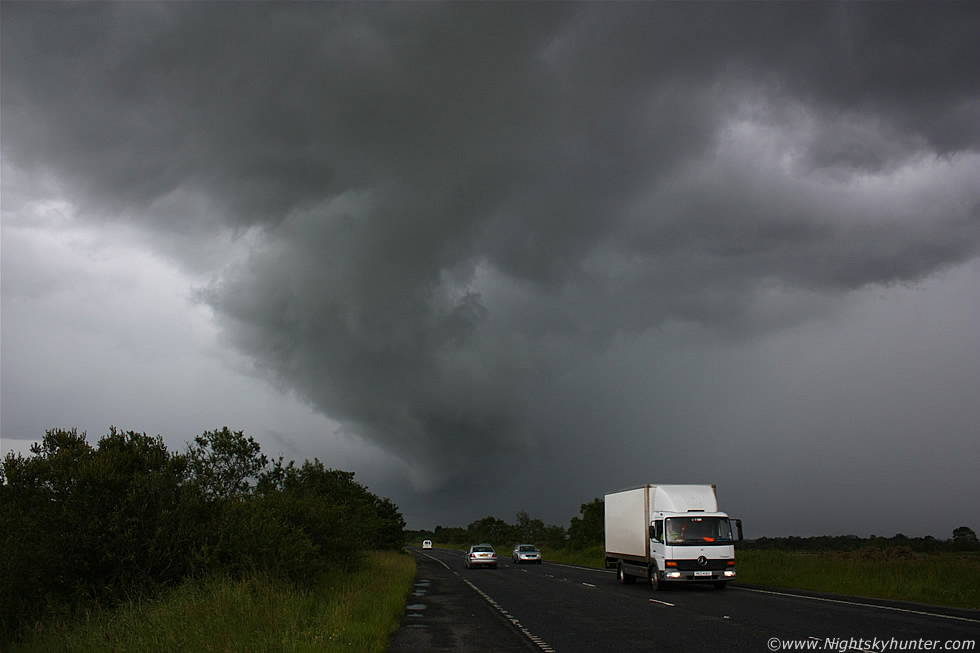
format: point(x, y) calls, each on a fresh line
point(526, 553)
point(480, 555)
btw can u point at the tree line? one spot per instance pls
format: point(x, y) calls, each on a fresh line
point(83, 524)
point(584, 531)
point(588, 530)
point(964, 539)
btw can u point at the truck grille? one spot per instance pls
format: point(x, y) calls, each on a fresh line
point(692, 565)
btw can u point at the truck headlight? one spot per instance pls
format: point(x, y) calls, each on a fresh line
point(729, 573)
point(674, 574)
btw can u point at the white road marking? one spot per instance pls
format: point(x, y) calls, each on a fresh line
point(661, 602)
point(540, 643)
point(857, 603)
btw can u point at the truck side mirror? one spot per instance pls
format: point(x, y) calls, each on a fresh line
point(738, 527)
point(657, 530)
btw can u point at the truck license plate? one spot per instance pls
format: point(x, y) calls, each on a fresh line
point(702, 573)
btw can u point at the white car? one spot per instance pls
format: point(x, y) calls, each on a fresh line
point(526, 553)
point(480, 555)
point(426, 544)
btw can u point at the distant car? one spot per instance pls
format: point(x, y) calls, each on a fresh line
point(526, 553)
point(426, 544)
point(480, 555)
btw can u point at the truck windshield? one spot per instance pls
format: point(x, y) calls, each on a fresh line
point(698, 530)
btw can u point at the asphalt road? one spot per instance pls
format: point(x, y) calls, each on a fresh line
point(566, 609)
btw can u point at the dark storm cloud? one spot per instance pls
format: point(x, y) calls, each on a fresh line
point(458, 206)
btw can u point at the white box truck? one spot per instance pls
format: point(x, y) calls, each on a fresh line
point(670, 533)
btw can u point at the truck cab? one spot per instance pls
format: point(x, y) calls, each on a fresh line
point(670, 533)
point(694, 546)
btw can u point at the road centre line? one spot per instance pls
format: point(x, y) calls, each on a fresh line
point(857, 603)
point(662, 602)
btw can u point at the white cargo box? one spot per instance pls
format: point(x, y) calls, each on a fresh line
point(683, 498)
point(629, 512)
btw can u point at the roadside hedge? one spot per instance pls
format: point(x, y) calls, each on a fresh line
point(127, 517)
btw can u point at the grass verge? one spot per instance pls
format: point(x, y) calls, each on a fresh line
point(350, 612)
point(594, 556)
point(949, 579)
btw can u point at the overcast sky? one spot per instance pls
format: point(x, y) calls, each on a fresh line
point(495, 257)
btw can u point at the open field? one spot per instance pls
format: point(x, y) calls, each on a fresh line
point(352, 612)
point(949, 579)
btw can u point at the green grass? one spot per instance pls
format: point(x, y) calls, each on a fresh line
point(594, 556)
point(950, 579)
point(350, 612)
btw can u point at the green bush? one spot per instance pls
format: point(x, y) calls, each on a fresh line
point(88, 526)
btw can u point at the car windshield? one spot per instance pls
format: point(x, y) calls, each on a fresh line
point(482, 549)
point(698, 530)
point(528, 549)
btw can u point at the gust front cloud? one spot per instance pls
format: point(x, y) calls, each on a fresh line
point(454, 208)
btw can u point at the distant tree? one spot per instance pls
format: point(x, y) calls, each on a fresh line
point(964, 533)
point(450, 535)
point(589, 529)
point(490, 529)
point(554, 537)
point(964, 539)
point(527, 529)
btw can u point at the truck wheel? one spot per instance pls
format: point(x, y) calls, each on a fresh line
point(623, 577)
point(654, 577)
